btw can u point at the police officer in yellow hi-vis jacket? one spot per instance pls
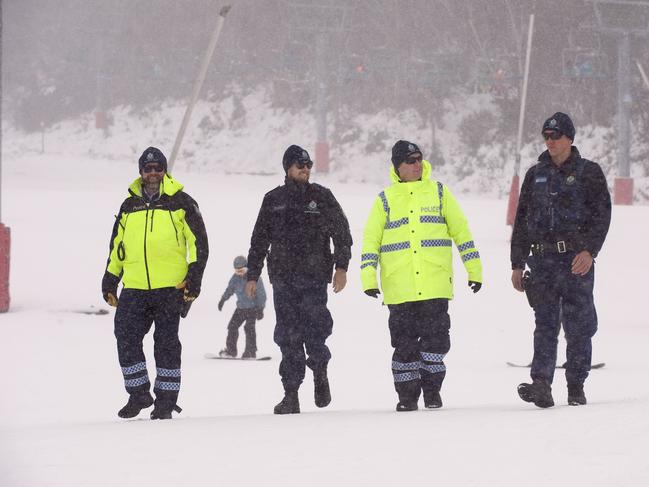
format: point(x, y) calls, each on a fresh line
point(158, 249)
point(409, 233)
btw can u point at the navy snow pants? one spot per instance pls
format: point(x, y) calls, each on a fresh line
point(419, 332)
point(303, 322)
point(136, 311)
point(560, 296)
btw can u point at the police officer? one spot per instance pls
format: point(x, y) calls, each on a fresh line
point(410, 232)
point(297, 221)
point(158, 249)
point(562, 220)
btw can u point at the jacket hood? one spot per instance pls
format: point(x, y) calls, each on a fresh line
point(168, 186)
point(425, 174)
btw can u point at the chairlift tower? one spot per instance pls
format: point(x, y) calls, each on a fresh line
point(322, 21)
point(623, 19)
point(5, 234)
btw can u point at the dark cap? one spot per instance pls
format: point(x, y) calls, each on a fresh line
point(152, 154)
point(294, 154)
point(402, 150)
point(560, 122)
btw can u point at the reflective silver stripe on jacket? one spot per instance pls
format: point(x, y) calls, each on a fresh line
point(466, 246)
point(438, 242)
point(432, 219)
point(471, 256)
point(394, 247)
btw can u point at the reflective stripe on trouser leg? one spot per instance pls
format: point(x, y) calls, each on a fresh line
point(166, 304)
point(407, 380)
point(131, 324)
point(136, 378)
point(432, 370)
point(167, 380)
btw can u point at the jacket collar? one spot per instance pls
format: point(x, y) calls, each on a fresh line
point(295, 187)
point(168, 186)
point(425, 174)
point(545, 158)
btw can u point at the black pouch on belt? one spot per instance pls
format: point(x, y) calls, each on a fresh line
point(531, 288)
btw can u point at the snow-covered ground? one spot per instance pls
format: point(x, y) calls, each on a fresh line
point(63, 386)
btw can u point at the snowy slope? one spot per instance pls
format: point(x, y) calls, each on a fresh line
point(62, 385)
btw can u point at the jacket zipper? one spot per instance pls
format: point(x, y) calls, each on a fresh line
point(146, 261)
point(174, 225)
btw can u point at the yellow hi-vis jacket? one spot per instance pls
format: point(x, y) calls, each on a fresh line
point(409, 233)
point(161, 243)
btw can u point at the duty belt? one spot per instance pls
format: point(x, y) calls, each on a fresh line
point(560, 247)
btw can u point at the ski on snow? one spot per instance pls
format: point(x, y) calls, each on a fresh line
point(217, 356)
point(598, 365)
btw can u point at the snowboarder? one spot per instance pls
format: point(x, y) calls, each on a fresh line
point(297, 221)
point(409, 232)
point(563, 216)
point(158, 249)
point(248, 310)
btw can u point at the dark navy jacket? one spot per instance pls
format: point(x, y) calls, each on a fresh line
point(294, 228)
point(570, 203)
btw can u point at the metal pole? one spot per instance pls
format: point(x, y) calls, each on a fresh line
point(321, 88)
point(514, 190)
point(322, 145)
point(198, 84)
point(1, 111)
point(521, 114)
point(624, 106)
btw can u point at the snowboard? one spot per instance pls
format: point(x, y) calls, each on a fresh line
point(91, 311)
point(598, 365)
point(217, 356)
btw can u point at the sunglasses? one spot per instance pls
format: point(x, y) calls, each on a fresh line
point(413, 159)
point(303, 164)
point(554, 135)
point(152, 168)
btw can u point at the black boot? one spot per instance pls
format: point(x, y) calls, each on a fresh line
point(321, 392)
point(576, 396)
point(289, 405)
point(403, 406)
point(163, 409)
point(136, 403)
point(432, 400)
point(539, 392)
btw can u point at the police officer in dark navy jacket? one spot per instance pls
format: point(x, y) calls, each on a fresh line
point(296, 223)
point(562, 220)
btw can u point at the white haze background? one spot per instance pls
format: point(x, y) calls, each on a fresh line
point(62, 385)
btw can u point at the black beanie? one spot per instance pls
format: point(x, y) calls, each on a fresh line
point(402, 150)
point(152, 154)
point(294, 154)
point(561, 123)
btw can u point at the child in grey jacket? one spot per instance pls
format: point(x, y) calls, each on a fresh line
point(248, 310)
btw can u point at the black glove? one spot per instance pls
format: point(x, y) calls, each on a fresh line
point(192, 282)
point(373, 292)
point(220, 305)
point(260, 314)
point(109, 285)
point(192, 288)
point(184, 308)
point(475, 286)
